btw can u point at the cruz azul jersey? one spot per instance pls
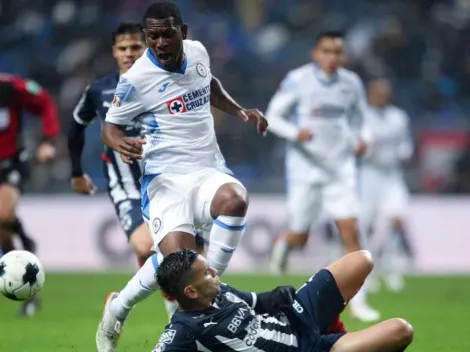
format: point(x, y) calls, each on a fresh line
point(230, 324)
point(392, 142)
point(173, 110)
point(332, 108)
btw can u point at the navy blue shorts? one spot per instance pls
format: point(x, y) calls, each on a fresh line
point(317, 305)
point(124, 191)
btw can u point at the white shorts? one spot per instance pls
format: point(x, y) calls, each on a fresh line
point(382, 195)
point(179, 202)
point(306, 201)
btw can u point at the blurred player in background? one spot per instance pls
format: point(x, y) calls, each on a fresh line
point(319, 108)
point(185, 182)
point(383, 191)
point(16, 96)
point(123, 179)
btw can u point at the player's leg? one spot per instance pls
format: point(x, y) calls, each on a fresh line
point(341, 201)
point(393, 335)
point(223, 201)
point(9, 196)
point(303, 208)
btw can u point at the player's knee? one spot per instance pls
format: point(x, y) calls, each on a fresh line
point(402, 331)
point(142, 243)
point(366, 262)
point(231, 199)
point(297, 239)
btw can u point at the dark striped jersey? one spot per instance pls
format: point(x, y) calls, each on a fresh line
point(96, 100)
point(231, 324)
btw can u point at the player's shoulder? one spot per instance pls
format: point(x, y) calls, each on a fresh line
point(298, 74)
point(398, 113)
point(349, 76)
point(104, 82)
point(194, 47)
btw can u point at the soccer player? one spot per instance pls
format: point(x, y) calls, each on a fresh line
point(185, 182)
point(123, 179)
point(16, 96)
point(216, 317)
point(319, 109)
point(384, 195)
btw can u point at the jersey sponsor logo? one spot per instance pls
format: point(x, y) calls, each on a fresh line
point(33, 87)
point(299, 309)
point(116, 101)
point(328, 111)
point(201, 70)
point(176, 106)
point(252, 333)
point(167, 337)
point(237, 319)
point(190, 101)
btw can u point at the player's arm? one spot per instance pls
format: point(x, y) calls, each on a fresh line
point(270, 302)
point(279, 108)
point(358, 121)
point(221, 100)
point(35, 99)
point(83, 114)
point(126, 105)
point(176, 338)
point(405, 146)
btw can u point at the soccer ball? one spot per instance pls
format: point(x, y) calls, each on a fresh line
point(21, 275)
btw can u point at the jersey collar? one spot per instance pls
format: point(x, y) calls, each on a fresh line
point(322, 77)
point(180, 70)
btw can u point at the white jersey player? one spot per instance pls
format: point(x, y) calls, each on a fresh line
point(383, 191)
point(319, 109)
point(185, 181)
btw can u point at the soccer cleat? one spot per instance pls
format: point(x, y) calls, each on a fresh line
point(110, 328)
point(364, 313)
point(30, 307)
point(394, 282)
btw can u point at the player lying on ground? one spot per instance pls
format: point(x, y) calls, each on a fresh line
point(17, 95)
point(216, 317)
point(185, 182)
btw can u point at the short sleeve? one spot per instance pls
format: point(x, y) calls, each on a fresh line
point(127, 104)
point(85, 111)
point(176, 338)
point(249, 297)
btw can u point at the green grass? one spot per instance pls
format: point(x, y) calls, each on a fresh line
point(438, 308)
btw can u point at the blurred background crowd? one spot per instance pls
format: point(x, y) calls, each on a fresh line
point(423, 46)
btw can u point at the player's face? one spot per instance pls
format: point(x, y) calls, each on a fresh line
point(165, 39)
point(205, 283)
point(127, 49)
point(380, 93)
point(329, 54)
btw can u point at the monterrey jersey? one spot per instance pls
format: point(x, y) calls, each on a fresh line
point(230, 324)
point(332, 108)
point(391, 138)
point(173, 108)
point(96, 100)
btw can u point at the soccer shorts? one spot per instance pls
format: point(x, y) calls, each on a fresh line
point(317, 305)
point(180, 202)
point(382, 194)
point(306, 201)
point(123, 186)
point(13, 171)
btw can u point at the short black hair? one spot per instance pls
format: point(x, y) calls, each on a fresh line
point(329, 35)
point(128, 28)
point(163, 9)
point(175, 271)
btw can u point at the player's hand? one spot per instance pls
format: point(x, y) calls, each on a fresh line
point(83, 185)
point(45, 152)
point(283, 297)
point(254, 117)
point(361, 148)
point(130, 148)
point(304, 135)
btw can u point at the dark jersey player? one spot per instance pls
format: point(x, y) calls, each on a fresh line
point(123, 179)
point(216, 317)
point(17, 96)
